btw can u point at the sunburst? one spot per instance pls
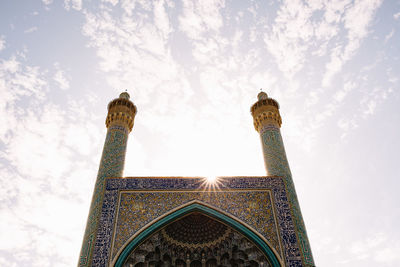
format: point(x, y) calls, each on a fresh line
point(211, 183)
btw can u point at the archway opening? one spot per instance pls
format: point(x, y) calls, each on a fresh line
point(197, 236)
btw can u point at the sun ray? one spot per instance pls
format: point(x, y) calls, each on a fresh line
point(211, 183)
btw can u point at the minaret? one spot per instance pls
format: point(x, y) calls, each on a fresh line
point(119, 122)
point(267, 121)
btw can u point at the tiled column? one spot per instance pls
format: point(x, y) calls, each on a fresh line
point(119, 122)
point(267, 121)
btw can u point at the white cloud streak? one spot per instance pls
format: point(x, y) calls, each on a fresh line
point(2, 43)
point(61, 80)
point(39, 167)
point(161, 19)
point(200, 17)
point(47, 2)
point(357, 19)
point(74, 4)
point(290, 34)
point(389, 36)
point(32, 29)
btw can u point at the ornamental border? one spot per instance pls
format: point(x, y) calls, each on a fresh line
point(287, 235)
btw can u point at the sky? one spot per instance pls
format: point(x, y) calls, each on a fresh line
point(193, 69)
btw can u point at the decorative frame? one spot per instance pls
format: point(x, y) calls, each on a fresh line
point(274, 185)
point(195, 206)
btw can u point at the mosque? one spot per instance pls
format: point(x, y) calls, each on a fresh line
point(188, 221)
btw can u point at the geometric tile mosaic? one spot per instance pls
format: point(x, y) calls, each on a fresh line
point(130, 204)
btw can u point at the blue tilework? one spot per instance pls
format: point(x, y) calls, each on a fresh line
point(111, 165)
point(276, 164)
point(139, 208)
point(252, 204)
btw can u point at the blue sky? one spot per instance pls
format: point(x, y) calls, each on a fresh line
point(193, 69)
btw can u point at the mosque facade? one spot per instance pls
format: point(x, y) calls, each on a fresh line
point(187, 221)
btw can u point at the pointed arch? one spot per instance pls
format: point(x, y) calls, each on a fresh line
point(196, 206)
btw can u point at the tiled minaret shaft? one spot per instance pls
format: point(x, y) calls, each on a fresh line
point(119, 122)
point(267, 121)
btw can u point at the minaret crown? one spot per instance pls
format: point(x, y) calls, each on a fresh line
point(265, 111)
point(121, 112)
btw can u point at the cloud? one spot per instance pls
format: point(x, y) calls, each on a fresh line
point(16, 81)
point(346, 125)
point(47, 2)
point(290, 32)
point(266, 80)
point(30, 30)
point(357, 19)
point(201, 17)
point(42, 161)
point(75, 4)
point(335, 101)
point(388, 254)
point(391, 77)
point(161, 19)
point(342, 93)
point(378, 248)
point(304, 29)
point(370, 100)
point(205, 51)
point(129, 5)
point(389, 36)
point(371, 94)
point(2, 43)
point(133, 51)
point(29, 136)
point(396, 16)
point(61, 80)
point(361, 248)
point(34, 234)
point(113, 2)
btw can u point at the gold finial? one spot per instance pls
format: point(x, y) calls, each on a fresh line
point(124, 95)
point(262, 95)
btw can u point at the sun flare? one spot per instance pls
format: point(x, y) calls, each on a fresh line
point(211, 183)
point(211, 179)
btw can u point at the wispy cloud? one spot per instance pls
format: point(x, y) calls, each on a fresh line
point(161, 19)
point(113, 2)
point(288, 40)
point(200, 17)
point(341, 94)
point(388, 254)
point(39, 147)
point(142, 57)
point(47, 2)
point(357, 19)
point(369, 100)
point(346, 125)
point(30, 30)
point(2, 43)
point(75, 4)
point(61, 79)
point(379, 248)
point(389, 36)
